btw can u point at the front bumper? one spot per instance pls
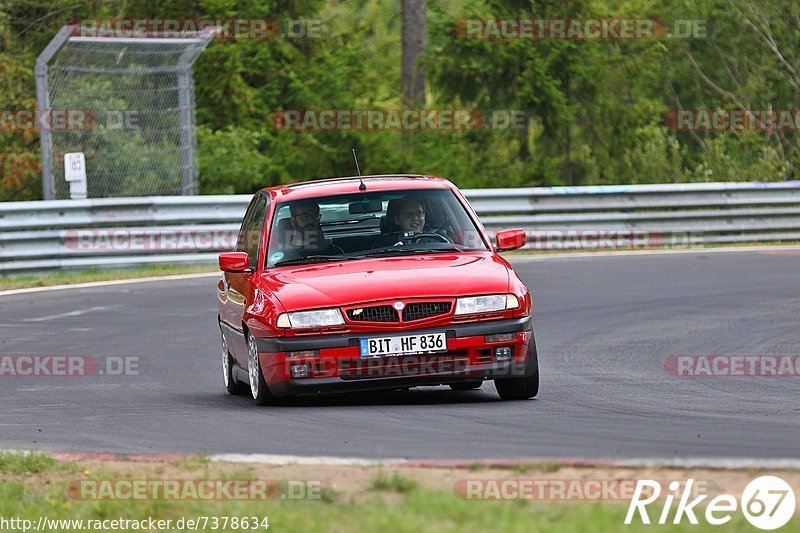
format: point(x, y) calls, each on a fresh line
point(338, 366)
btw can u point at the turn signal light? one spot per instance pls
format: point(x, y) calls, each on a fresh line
point(501, 337)
point(302, 355)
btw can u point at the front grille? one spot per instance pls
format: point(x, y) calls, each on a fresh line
point(418, 311)
point(377, 313)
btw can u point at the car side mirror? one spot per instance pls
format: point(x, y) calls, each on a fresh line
point(234, 262)
point(510, 239)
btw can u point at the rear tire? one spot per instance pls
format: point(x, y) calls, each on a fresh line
point(232, 385)
point(466, 385)
point(525, 386)
point(258, 385)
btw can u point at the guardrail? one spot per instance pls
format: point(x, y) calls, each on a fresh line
point(64, 234)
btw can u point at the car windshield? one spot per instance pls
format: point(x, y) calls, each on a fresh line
point(370, 224)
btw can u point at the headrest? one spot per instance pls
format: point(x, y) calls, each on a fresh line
point(284, 231)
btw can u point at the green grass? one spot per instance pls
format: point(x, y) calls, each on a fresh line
point(411, 511)
point(85, 276)
point(27, 463)
point(193, 462)
point(395, 483)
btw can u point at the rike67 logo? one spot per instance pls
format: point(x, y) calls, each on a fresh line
point(768, 502)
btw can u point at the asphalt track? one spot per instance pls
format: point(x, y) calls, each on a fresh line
point(604, 326)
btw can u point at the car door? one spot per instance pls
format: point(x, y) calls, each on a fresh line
point(239, 286)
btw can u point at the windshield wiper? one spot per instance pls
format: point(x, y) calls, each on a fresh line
point(313, 259)
point(401, 250)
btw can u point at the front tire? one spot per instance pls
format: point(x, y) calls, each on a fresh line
point(258, 385)
point(232, 385)
point(525, 386)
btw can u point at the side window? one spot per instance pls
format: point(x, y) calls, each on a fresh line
point(241, 240)
point(250, 233)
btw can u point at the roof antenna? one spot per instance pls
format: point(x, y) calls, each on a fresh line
point(361, 187)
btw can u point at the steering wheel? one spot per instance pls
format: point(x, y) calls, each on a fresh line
point(439, 237)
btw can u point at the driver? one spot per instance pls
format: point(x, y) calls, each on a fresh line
point(410, 218)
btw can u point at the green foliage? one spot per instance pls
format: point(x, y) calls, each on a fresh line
point(26, 463)
point(393, 483)
point(594, 108)
point(19, 150)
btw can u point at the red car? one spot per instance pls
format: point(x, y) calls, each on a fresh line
point(372, 283)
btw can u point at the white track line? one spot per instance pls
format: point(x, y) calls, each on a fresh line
point(568, 255)
point(722, 463)
point(710, 463)
point(108, 283)
point(713, 463)
point(281, 460)
point(76, 312)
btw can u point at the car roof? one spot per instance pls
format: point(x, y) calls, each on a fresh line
point(303, 190)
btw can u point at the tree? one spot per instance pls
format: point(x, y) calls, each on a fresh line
point(414, 41)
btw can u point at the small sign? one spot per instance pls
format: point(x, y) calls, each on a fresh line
point(75, 167)
point(75, 174)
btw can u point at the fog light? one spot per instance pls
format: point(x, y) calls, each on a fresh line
point(504, 353)
point(300, 371)
point(501, 337)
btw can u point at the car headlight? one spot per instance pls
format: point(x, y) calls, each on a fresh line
point(486, 304)
point(310, 319)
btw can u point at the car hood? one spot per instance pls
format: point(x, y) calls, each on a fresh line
point(353, 282)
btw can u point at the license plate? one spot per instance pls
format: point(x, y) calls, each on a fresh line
point(404, 345)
